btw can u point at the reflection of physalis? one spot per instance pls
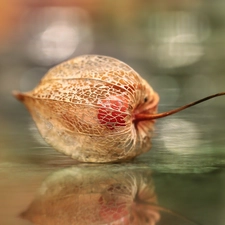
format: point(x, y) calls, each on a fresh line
point(108, 194)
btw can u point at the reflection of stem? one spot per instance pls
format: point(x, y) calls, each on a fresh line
point(158, 207)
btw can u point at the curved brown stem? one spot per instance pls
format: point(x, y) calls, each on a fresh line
point(141, 117)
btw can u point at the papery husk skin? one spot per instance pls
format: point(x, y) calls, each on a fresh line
point(66, 103)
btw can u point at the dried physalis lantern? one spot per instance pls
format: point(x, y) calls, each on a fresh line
point(95, 109)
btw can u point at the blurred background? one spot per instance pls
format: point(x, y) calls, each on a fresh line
point(178, 46)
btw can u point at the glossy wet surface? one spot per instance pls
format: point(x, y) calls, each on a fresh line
point(100, 194)
point(40, 186)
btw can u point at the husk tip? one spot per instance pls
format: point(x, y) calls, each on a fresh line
point(18, 95)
